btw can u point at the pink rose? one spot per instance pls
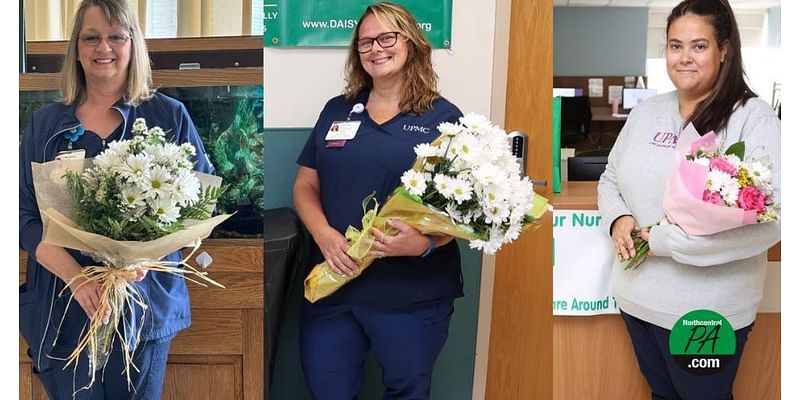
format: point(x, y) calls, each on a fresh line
point(712, 197)
point(722, 164)
point(751, 199)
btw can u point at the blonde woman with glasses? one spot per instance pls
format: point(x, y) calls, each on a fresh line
point(105, 86)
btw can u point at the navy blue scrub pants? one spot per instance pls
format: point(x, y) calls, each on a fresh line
point(669, 381)
point(334, 340)
point(150, 358)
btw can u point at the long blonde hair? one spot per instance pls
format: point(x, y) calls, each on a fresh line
point(139, 80)
point(420, 79)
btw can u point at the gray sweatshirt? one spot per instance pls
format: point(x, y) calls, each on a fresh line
point(723, 272)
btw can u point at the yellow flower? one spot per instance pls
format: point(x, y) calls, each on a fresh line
point(744, 178)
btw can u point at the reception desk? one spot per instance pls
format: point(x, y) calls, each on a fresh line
point(593, 357)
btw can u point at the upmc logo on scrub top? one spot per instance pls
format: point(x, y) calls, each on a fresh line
point(415, 128)
point(665, 139)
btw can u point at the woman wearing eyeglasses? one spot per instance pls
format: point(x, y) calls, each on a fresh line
point(105, 86)
point(400, 307)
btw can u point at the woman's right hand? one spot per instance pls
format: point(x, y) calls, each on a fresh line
point(621, 236)
point(87, 294)
point(58, 261)
point(334, 248)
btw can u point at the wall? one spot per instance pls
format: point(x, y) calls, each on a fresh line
point(774, 27)
point(304, 79)
point(297, 84)
point(599, 41)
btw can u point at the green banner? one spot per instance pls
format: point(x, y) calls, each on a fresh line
point(330, 23)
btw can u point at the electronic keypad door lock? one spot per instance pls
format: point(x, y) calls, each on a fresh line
point(519, 148)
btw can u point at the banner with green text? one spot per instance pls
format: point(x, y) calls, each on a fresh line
point(582, 261)
point(330, 23)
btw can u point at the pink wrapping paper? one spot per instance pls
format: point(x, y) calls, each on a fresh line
point(683, 194)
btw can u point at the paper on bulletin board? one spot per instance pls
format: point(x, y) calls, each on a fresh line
point(614, 92)
point(582, 279)
point(595, 87)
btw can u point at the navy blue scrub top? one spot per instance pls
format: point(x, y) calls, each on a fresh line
point(374, 161)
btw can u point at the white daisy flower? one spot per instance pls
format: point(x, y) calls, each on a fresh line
point(495, 194)
point(167, 155)
point(135, 166)
point(462, 190)
point(488, 173)
point(496, 214)
point(415, 182)
point(132, 197)
point(730, 193)
point(158, 183)
point(425, 150)
point(166, 210)
point(449, 129)
point(475, 122)
point(455, 214)
point(761, 173)
point(444, 185)
point(716, 180)
point(186, 188)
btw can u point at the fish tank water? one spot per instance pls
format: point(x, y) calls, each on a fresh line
point(229, 121)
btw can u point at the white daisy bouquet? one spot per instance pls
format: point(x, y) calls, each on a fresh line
point(466, 184)
point(712, 191)
point(135, 203)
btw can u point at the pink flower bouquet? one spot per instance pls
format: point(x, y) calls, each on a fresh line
point(710, 191)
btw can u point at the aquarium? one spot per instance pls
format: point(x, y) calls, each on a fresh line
point(229, 121)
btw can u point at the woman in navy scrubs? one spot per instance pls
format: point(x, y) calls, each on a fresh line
point(400, 306)
point(105, 86)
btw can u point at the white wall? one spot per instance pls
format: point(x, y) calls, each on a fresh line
point(307, 78)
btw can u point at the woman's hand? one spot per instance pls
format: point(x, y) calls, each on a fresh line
point(407, 242)
point(139, 275)
point(334, 248)
point(644, 233)
point(58, 261)
point(621, 236)
point(87, 293)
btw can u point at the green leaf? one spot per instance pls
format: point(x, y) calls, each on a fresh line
point(736, 149)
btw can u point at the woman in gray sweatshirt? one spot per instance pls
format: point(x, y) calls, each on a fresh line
point(722, 272)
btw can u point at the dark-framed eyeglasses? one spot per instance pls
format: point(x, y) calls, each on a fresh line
point(114, 39)
point(385, 40)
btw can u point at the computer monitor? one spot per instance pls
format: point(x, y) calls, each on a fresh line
point(576, 118)
point(632, 97)
point(587, 166)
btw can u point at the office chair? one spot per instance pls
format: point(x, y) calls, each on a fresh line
point(587, 166)
point(576, 117)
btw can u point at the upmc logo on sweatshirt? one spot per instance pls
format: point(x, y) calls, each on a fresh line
point(665, 139)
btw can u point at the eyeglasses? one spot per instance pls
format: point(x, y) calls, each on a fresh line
point(114, 39)
point(385, 40)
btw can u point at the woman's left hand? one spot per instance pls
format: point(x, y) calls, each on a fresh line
point(407, 242)
point(140, 274)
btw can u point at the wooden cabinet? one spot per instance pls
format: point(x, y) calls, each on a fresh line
point(221, 356)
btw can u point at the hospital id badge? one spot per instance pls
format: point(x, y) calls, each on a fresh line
point(78, 154)
point(342, 130)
